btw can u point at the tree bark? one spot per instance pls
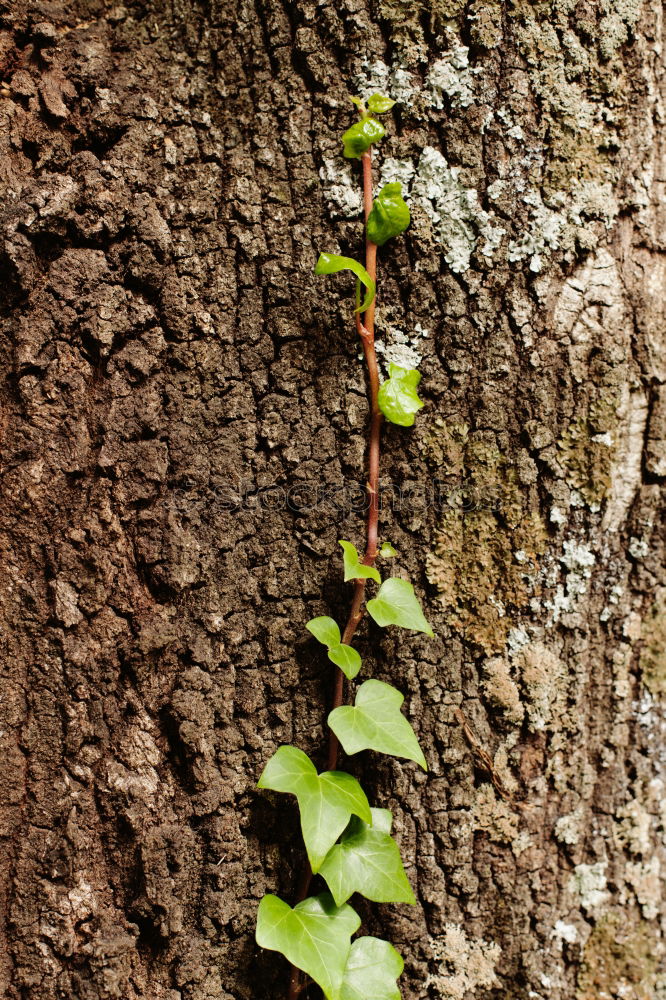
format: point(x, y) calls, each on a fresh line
point(176, 384)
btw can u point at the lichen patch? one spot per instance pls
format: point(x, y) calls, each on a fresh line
point(463, 963)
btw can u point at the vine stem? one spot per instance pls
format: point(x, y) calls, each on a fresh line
point(366, 331)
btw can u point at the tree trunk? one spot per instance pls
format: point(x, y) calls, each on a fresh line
point(182, 405)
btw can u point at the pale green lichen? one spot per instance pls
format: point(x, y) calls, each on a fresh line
point(378, 77)
point(451, 75)
point(562, 223)
point(568, 828)
point(342, 191)
point(589, 883)
point(463, 963)
point(456, 218)
point(400, 347)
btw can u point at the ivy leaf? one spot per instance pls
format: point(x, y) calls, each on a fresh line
point(331, 263)
point(367, 860)
point(375, 722)
point(346, 658)
point(315, 936)
point(397, 397)
point(397, 604)
point(358, 139)
point(326, 802)
point(354, 568)
point(387, 551)
point(326, 630)
point(357, 101)
point(379, 105)
point(389, 215)
point(372, 970)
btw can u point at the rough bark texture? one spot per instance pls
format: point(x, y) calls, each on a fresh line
point(169, 173)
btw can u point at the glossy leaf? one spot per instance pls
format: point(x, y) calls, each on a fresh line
point(353, 567)
point(387, 551)
point(397, 604)
point(372, 970)
point(357, 101)
point(375, 722)
point(331, 263)
point(367, 860)
point(389, 215)
point(315, 936)
point(326, 802)
point(326, 630)
point(379, 105)
point(397, 397)
point(346, 658)
point(358, 139)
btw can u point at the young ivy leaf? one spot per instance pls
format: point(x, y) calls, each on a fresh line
point(315, 936)
point(375, 722)
point(328, 633)
point(397, 604)
point(326, 802)
point(354, 568)
point(379, 105)
point(346, 658)
point(325, 629)
point(358, 139)
point(397, 397)
point(389, 215)
point(367, 860)
point(331, 263)
point(372, 969)
point(387, 551)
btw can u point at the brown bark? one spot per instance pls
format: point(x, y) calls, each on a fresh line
point(169, 174)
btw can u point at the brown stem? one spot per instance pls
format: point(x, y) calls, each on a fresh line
point(366, 332)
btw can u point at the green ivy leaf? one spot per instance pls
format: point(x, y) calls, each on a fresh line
point(354, 568)
point(397, 604)
point(357, 101)
point(326, 630)
point(397, 397)
point(372, 970)
point(358, 139)
point(346, 658)
point(375, 722)
point(315, 936)
point(389, 215)
point(379, 105)
point(331, 263)
point(387, 551)
point(326, 802)
point(367, 860)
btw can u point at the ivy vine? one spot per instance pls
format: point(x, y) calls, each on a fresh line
point(348, 842)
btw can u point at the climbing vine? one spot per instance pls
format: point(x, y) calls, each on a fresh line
point(348, 842)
